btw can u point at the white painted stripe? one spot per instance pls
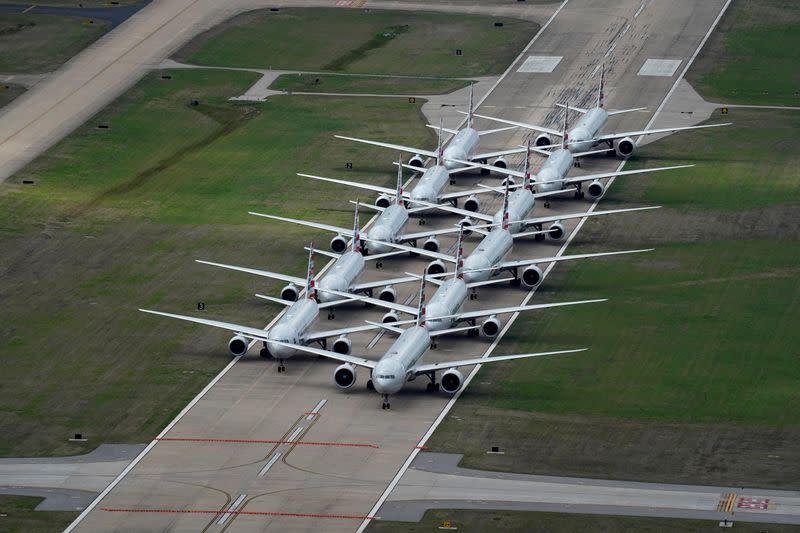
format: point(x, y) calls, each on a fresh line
point(641, 8)
point(295, 433)
point(29, 8)
point(272, 461)
point(235, 505)
point(317, 408)
point(451, 403)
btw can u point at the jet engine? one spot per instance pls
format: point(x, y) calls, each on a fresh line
point(432, 244)
point(556, 231)
point(416, 161)
point(436, 267)
point(390, 317)
point(290, 293)
point(543, 140)
point(384, 200)
point(472, 204)
point(490, 327)
point(625, 147)
point(466, 223)
point(452, 381)
point(342, 345)
point(595, 190)
point(531, 277)
point(338, 244)
point(237, 345)
point(388, 294)
point(344, 376)
point(509, 180)
point(501, 162)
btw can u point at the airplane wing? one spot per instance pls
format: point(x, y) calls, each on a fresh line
point(420, 251)
point(483, 189)
point(264, 273)
point(317, 335)
point(432, 367)
point(554, 218)
point(487, 155)
point(422, 234)
point(375, 301)
point(317, 225)
point(326, 253)
point(365, 186)
point(383, 282)
point(592, 177)
point(621, 111)
point(455, 210)
point(613, 136)
point(448, 130)
point(542, 260)
point(573, 108)
point(407, 149)
point(503, 310)
point(481, 133)
point(287, 303)
point(352, 359)
point(253, 333)
point(522, 125)
point(448, 331)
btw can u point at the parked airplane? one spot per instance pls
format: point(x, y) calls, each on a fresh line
point(292, 327)
point(586, 133)
point(341, 277)
point(402, 362)
point(446, 305)
point(462, 146)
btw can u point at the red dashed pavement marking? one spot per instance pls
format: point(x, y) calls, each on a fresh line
point(257, 441)
point(252, 513)
point(421, 447)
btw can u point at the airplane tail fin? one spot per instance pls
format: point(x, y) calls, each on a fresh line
point(439, 149)
point(459, 273)
point(505, 208)
point(565, 134)
point(471, 114)
point(600, 95)
point(356, 231)
point(399, 191)
point(311, 289)
point(421, 304)
point(527, 183)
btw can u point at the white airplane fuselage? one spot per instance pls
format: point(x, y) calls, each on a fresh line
point(586, 129)
point(343, 273)
point(448, 300)
point(291, 327)
point(520, 204)
point(388, 226)
point(550, 177)
point(489, 252)
point(431, 184)
point(391, 371)
point(462, 146)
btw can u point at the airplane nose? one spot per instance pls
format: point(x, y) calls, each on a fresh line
point(332, 283)
point(278, 351)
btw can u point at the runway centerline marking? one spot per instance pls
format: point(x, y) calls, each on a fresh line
point(232, 509)
point(269, 441)
point(269, 464)
point(229, 512)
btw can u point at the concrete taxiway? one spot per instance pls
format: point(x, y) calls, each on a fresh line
point(290, 452)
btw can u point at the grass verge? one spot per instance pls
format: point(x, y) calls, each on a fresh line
point(362, 41)
point(17, 515)
point(8, 92)
point(321, 83)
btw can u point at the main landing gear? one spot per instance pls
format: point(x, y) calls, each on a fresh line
point(331, 313)
point(281, 368)
point(432, 386)
point(265, 352)
point(386, 402)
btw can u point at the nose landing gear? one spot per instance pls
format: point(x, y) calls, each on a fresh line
point(385, 402)
point(281, 368)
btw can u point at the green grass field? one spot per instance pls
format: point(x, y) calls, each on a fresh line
point(113, 222)
point(360, 41)
point(42, 43)
point(8, 92)
point(468, 521)
point(17, 515)
point(751, 58)
point(365, 84)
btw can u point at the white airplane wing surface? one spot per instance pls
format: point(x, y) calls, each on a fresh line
point(376, 301)
point(246, 331)
point(423, 369)
point(522, 125)
point(554, 218)
point(407, 149)
point(287, 303)
point(352, 359)
point(503, 310)
point(264, 273)
point(420, 251)
point(543, 260)
point(317, 225)
point(592, 177)
point(613, 136)
point(487, 155)
point(317, 335)
point(359, 185)
point(420, 235)
point(382, 282)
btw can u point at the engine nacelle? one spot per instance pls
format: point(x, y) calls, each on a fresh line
point(432, 244)
point(452, 381)
point(338, 244)
point(466, 223)
point(345, 376)
point(625, 147)
point(290, 293)
point(509, 180)
point(543, 140)
point(390, 317)
point(342, 344)
point(490, 328)
point(595, 190)
point(472, 204)
point(384, 200)
point(237, 345)
point(388, 294)
point(436, 267)
point(556, 231)
point(531, 277)
point(500, 162)
point(416, 161)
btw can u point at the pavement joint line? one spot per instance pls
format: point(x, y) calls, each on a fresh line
point(271, 441)
point(448, 407)
point(232, 509)
point(229, 512)
point(272, 461)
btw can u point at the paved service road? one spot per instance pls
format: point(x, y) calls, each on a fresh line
point(242, 483)
point(435, 481)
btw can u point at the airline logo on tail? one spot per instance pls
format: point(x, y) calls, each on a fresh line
point(356, 232)
point(439, 148)
point(421, 308)
point(565, 136)
point(399, 192)
point(311, 290)
point(505, 208)
point(471, 110)
point(459, 274)
point(528, 182)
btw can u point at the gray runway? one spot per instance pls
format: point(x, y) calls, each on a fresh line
point(333, 484)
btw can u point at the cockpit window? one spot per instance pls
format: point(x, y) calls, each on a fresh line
point(386, 376)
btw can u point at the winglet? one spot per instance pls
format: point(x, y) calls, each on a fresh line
point(311, 291)
point(421, 305)
point(459, 271)
point(471, 113)
point(356, 232)
point(565, 135)
point(527, 183)
point(399, 191)
point(505, 208)
point(600, 95)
